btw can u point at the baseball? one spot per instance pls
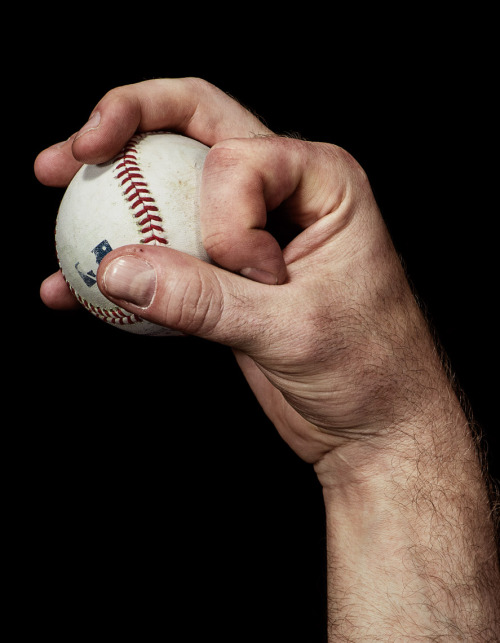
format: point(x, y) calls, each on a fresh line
point(148, 194)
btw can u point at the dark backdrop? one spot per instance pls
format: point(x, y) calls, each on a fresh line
point(148, 489)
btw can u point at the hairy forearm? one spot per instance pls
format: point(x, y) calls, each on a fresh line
point(412, 552)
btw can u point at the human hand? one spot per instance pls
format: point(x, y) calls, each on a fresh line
point(331, 340)
point(326, 330)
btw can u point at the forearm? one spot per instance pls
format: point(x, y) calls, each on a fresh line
point(411, 541)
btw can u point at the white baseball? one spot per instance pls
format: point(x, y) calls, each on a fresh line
point(148, 194)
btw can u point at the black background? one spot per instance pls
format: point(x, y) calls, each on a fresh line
point(148, 490)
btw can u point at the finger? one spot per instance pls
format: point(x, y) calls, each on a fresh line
point(190, 106)
point(56, 166)
point(246, 179)
point(56, 294)
point(234, 212)
point(176, 290)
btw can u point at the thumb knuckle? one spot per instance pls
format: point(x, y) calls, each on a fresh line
point(194, 305)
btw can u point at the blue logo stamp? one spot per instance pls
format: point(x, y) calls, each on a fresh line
point(99, 252)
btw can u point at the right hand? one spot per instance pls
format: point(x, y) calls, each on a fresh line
point(336, 351)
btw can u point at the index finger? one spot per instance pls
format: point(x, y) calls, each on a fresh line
point(190, 106)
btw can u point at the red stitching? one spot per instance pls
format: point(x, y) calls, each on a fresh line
point(138, 195)
point(115, 316)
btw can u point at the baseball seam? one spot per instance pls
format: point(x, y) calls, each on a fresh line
point(116, 315)
point(144, 208)
point(138, 195)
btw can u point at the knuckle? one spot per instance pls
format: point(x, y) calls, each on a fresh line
point(195, 306)
point(199, 86)
point(351, 166)
point(219, 243)
point(232, 169)
point(224, 154)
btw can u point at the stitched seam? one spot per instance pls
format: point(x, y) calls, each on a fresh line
point(116, 315)
point(138, 195)
point(144, 208)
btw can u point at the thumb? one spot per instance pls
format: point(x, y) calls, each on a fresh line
point(186, 294)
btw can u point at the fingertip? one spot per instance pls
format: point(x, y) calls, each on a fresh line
point(55, 293)
point(253, 253)
point(262, 276)
point(56, 165)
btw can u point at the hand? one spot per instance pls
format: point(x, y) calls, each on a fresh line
point(327, 332)
point(191, 106)
point(333, 343)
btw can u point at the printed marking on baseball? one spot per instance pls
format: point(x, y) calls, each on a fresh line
point(148, 194)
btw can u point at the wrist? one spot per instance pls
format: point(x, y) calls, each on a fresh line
point(409, 531)
point(428, 462)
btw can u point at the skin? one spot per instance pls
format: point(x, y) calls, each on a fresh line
point(334, 345)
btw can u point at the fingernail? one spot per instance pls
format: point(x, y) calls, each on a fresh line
point(91, 124)
point(131, 279)
point(262, 276)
